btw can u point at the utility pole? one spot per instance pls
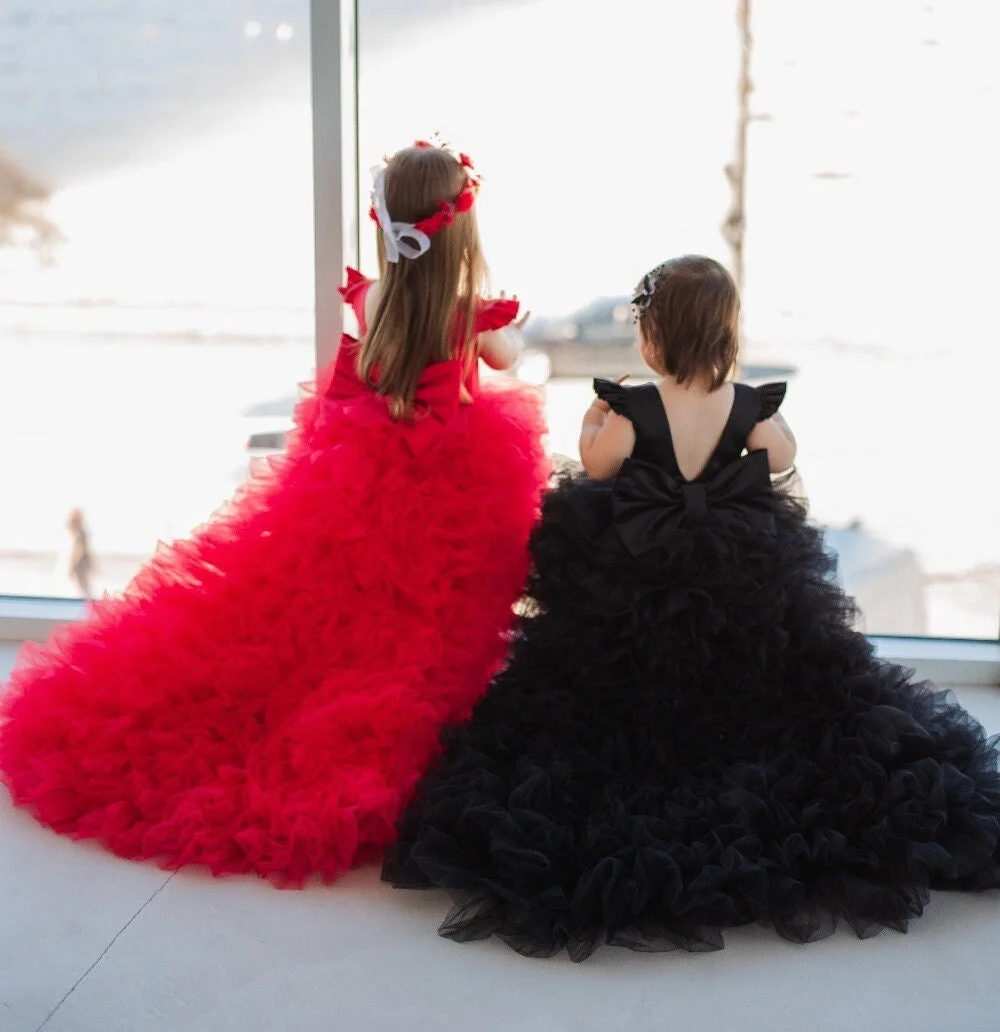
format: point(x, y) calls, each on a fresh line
point(22, 216)
point(734, 226)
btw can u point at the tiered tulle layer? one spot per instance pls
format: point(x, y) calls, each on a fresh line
point(694, 741)
point(266, 694)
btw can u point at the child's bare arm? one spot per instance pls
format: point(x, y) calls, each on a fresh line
point(606, 441)
point(776, 437)
point(500, 349)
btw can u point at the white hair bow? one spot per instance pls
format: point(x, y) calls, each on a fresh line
point(401, 238)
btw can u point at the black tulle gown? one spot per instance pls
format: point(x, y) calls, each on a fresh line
point(690, 736)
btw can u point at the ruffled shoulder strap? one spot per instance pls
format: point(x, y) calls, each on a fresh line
point(751, 405)
point(615, 395)
point(354, 292)
point(771, 396)
point(495, 313)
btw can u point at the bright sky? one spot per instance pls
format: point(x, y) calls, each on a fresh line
point(602, 130)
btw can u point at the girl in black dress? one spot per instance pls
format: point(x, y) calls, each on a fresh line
point(690, 735)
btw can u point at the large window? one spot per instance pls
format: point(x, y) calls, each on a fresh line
point(155, 269)
point(603, 131)
point(156, 241)
point(872, 268)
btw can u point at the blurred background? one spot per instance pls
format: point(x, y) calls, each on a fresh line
point(156, 247)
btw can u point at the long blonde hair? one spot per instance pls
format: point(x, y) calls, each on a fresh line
point(427, 305)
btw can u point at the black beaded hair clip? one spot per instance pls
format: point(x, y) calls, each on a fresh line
point(643, 296)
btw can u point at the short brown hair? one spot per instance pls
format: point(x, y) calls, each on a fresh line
point(690, 318)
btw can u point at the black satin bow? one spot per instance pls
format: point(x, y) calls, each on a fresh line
point(648, 502)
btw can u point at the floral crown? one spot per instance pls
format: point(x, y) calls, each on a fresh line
point(412, 239)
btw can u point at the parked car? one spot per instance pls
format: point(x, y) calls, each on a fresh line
point(599, 340)
point(267, 423)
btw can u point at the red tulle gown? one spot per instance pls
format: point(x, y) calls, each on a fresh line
point(265, 695)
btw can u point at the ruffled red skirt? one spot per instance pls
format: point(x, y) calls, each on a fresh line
point(265, 695)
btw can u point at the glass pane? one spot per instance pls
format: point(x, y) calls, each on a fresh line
point(155, 269)
point(603, 132)
point(872, 267)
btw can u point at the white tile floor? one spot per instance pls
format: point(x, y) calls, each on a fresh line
point(90, 943)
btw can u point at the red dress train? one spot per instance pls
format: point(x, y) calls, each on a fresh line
point(265, 695)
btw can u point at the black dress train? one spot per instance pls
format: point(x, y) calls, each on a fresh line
point(690, 736)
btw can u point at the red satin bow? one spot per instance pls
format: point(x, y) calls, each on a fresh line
point(436, 402)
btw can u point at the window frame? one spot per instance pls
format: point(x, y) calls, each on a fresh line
point(333, 41)
point(946, 661)
point(337, 229)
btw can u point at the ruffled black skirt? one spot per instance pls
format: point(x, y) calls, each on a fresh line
point(691, 741)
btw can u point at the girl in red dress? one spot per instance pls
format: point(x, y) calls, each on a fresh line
point(264, 695)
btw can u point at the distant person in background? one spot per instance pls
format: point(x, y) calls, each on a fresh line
point(81, 560)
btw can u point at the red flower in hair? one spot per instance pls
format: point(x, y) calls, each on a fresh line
point(465, 200)
point(444, 216)
point(445, 211)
